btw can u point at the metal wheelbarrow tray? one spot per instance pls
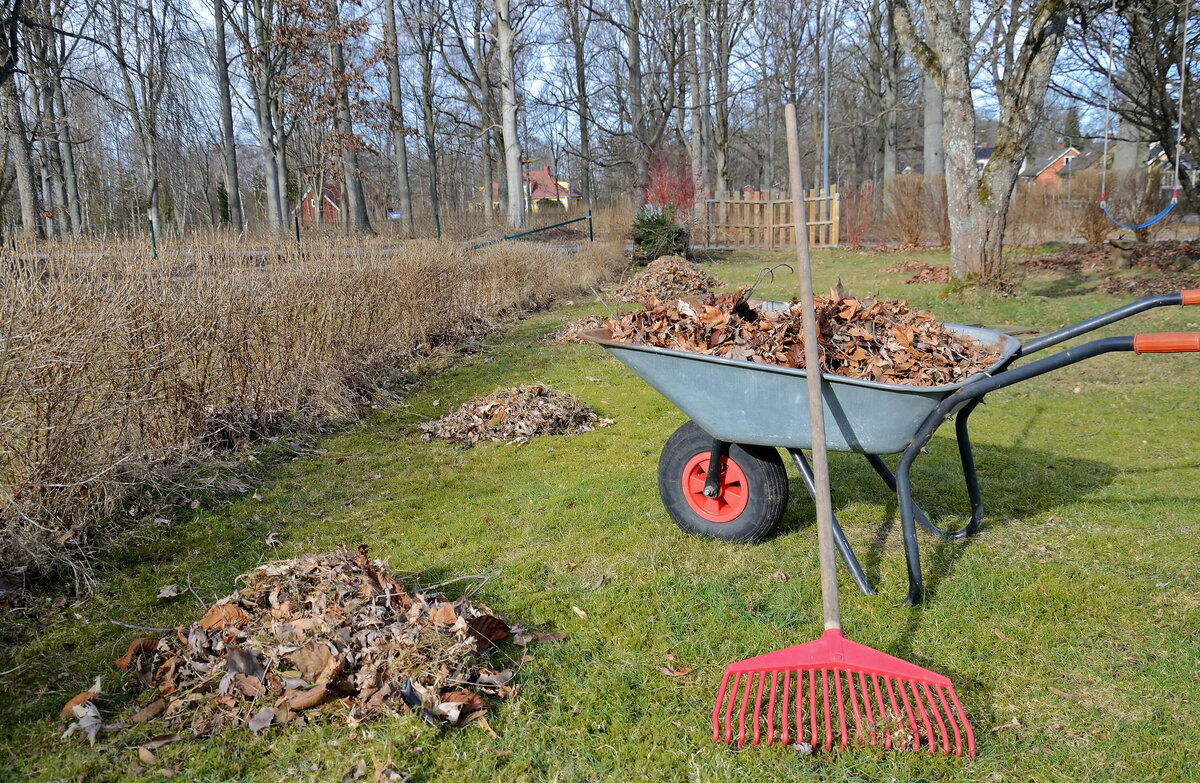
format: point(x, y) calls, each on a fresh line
point(720, 475)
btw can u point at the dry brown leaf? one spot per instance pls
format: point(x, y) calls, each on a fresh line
point(443, 614)
point(147, 757)
point(142, 644)
point(311, 659)
point(671, 671)
point(578, 611)
point(150, 711)
point(221, 615)
point(303, 700)
point(68, 709)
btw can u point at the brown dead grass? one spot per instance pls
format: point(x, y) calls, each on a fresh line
point(114, 365)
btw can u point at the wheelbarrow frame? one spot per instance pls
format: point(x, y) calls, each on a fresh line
point(957, 402)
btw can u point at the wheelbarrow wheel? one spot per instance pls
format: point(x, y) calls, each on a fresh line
point(751, 498)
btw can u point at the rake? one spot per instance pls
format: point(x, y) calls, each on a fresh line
point(892, 701)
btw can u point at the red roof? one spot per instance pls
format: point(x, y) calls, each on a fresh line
point(541, 184)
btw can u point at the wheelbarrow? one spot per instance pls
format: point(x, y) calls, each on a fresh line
point(720, 473)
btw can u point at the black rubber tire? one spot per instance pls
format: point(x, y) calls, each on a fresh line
point(766, 478)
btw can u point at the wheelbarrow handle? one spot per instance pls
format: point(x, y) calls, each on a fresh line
point(1167, 342)
point(1182, 298)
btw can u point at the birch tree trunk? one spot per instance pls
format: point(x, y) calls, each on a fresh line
point(399, 132)
point(508, 113)
point(356, 202)
point(891, 94)
point(232, 192)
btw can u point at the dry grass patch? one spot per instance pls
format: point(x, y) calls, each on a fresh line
point(116, 367)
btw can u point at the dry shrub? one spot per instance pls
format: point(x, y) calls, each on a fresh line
point(937, 214)
point(115, 366)
point(904, 196)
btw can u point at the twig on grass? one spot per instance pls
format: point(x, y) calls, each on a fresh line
point(131, 625)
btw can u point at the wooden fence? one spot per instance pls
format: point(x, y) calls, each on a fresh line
point(757, 219)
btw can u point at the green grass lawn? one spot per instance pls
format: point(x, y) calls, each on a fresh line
point(1076, 611)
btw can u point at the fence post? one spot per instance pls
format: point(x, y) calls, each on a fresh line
point(297, 219)
point(153, 240)
point(835, 214)
point(437, 222)
point(591, 231)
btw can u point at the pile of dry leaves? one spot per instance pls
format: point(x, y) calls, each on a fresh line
point(573, 332)
point(515, 416)
point(920, 272)
point(1165, 256)
point(875, 340)
point(1161, 283)
point(668, 277)
point(336, 634)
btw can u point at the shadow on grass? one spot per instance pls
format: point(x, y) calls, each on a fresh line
point(1062, 285)
point(1017, 483)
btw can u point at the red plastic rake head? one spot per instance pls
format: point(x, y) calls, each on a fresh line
point(891, 701)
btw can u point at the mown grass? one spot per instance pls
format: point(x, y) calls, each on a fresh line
point(1075, 611)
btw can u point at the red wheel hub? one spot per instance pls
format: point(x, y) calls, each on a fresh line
point(733, 493)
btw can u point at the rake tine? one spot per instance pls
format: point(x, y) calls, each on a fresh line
point(966, 724)
point(758, 706)
point(912, 724)
point(854, 704)
point(924, 716)
point(717, 707)
point(729, 709)
point(883, 718)
point(783, 715)
point(812, 706)
point(771, 709)
point(742, 711)
point(825, 704)
point(938, 716)
point(799, 706)
point(837, 682)
point(953, 724)
point(895, 708)
point(866, 694)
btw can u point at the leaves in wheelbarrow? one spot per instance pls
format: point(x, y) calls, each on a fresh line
point(515, 416)
point(668, 277)
point(336, 634)
point(870, 339)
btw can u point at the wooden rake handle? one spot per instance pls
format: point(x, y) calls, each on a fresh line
point(816, 413)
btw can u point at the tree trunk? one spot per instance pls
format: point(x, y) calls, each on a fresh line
point(425, 45)
point(933, 154)
point(706, 136)
point(356, 201)
point(891, 95)
point(232, 193)
point(637, 114)
point(578, 31)
point(978, 203)
point(399, 132)
point(508, 113)
point(67, 154)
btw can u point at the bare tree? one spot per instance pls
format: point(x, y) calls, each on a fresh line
point(1027, 37)
point(508, 112)
point(225, 102)
point(396, 118)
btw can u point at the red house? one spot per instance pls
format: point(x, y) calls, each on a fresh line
point(1045, 170)
point(324, 209)
point(543, 189)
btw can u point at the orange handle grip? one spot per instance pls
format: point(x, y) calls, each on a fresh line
point(1191, 297)
point(1166, 342)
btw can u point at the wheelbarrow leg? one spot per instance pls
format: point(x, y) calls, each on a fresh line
point(967, 456)
point(912, 554)
point(885, 473)
point(839, 538)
